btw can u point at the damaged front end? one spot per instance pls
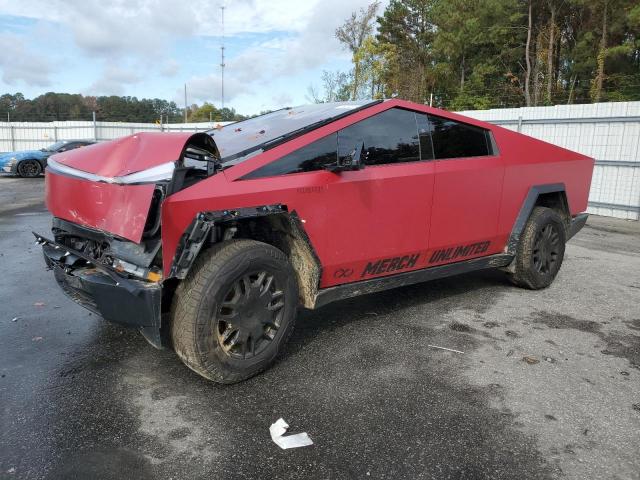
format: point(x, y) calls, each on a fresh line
point(106, 251)
point(101, 288)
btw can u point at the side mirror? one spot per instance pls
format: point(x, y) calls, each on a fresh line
point(353, 161)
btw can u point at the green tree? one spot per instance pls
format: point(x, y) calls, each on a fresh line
point(64, 106)
point(406, 28)
point(492, 53)
point(353, 34)
point(204, 113)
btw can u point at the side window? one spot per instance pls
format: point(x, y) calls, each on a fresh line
point(314, 156)
point(389, 137)
point(453, 139)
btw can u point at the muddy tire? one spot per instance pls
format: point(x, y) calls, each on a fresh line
point(29, 168)
point(235, 310)
point(540, 250)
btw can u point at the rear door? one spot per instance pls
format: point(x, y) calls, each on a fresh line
point(469, 174)
point(378, 217)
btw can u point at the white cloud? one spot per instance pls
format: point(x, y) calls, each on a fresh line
point(122, 26)
point(20, 64)
point(282, 99)
point(114, 28)
point(113, 81)
point(129, 37)
point(208, 87)
point(170, 68)
point(285, 56)
point(98, 25)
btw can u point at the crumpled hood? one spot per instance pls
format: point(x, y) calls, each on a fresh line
point(110, 206)
point(126, 155)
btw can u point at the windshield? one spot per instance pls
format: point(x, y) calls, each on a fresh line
point(237, 141)
point(55, 146)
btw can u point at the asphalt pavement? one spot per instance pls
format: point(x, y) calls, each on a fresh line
point(547, 386)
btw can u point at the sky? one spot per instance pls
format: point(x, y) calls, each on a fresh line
point(274, 50)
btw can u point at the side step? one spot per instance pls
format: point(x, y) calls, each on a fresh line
point(341, 292)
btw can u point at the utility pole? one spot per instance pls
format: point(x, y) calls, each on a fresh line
point(185, 103)
point(222, 56)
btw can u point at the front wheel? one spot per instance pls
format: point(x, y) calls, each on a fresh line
point(540, 250)
point(29, 168)
point(235, 310)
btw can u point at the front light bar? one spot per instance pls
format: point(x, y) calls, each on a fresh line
point(150, 175)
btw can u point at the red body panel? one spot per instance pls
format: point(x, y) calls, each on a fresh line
point(372, 227)
point(360, 223)
point(533, 162)
point(466, 204)
point(121, 210)
point(388, 216)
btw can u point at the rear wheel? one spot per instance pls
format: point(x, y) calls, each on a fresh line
point(540, 250)
point(29, 168)
point(235, 310)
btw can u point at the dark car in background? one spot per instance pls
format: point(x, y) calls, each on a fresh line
point(31, 163)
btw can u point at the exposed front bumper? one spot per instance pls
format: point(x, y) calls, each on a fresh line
point(102, 290)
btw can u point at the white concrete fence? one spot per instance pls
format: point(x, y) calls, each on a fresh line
point(608, 132)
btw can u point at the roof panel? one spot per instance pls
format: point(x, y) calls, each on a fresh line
point(238, 140)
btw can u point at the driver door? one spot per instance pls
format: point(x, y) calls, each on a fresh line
point(378, 218)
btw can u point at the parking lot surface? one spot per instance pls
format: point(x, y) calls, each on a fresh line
point(547, 386)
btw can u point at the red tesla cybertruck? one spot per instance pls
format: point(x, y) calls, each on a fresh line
point(209, 242)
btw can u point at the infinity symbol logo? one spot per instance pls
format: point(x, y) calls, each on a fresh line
point(343, 273)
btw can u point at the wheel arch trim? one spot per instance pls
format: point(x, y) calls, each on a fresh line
point(527, 207)
point(210, 227)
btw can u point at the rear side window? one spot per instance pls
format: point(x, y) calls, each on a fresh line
point(389, 137)
point(314, 156)
point(453, 139)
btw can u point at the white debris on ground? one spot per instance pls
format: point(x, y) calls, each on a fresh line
point(445, 348)
point(279, 428)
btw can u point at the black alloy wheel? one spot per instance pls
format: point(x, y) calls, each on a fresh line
point(250, 315)
point(29, 168)
point(235, 310)
point(546, 248)
point(540, 249)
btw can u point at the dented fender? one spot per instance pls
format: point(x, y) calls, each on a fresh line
point(118, 209)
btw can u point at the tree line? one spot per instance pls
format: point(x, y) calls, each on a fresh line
point(65, 106)
point(477, 54)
